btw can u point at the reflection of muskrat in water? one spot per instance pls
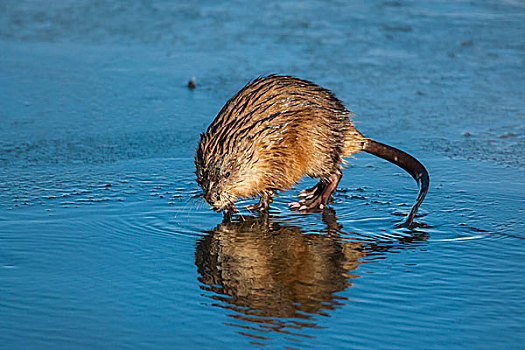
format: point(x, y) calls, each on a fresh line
point(270, 269)
point(278, 276)
point(276, 130)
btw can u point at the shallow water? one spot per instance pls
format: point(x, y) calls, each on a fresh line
point(105, 242)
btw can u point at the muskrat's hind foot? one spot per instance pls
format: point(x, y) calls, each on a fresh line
point(309, 198)
point(263, 204)
point(310, 192)
point(319, 199)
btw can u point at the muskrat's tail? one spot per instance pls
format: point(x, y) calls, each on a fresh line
point(407, 162)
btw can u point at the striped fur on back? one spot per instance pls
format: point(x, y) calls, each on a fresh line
point(271, 133)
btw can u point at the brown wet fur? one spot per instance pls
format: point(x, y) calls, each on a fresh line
point(274, 131)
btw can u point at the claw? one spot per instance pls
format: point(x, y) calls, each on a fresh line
point(310, 192)
point(318, 196)
point(295, 205)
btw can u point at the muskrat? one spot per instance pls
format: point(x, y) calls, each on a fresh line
point(276, 130)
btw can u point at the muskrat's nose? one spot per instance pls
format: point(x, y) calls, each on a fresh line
point(215, 197)
point(212, 197)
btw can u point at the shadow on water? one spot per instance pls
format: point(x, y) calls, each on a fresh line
point(275, 277)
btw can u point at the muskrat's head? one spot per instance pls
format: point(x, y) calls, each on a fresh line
point(223, 176)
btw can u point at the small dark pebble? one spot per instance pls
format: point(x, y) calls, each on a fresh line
point(191, 85)
point(397, 28)
point(392, 3)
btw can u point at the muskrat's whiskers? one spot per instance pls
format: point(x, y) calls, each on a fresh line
point(183, 209)
point(198, 203)
point(194, 203)
point(191, 201)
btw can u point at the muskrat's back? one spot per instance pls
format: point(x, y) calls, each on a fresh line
point(271, 133)
point(278, 128)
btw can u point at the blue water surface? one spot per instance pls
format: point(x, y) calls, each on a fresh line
point(105, 242)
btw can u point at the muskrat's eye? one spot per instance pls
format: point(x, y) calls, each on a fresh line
point(227, 175)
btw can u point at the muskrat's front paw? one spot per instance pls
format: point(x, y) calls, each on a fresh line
point(230, 209)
